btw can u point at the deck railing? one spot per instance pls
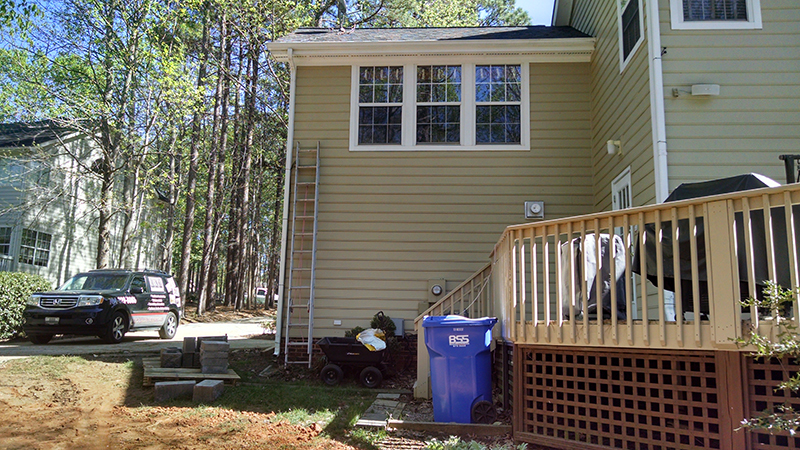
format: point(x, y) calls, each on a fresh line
point(670, 275)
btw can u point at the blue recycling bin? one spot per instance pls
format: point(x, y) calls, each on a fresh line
point(461, 368)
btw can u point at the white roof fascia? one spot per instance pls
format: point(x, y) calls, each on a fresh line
point(523, 50)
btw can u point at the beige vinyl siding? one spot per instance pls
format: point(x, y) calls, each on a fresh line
point(620, 105)
point(391, 221)
point(755, 118)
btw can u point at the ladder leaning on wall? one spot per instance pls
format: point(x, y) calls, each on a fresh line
point(299, 307)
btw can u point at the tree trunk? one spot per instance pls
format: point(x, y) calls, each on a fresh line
point(169, 233)
point(191, 180)
point(219, 137)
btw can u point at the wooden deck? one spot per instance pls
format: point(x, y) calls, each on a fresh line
point(153, 372)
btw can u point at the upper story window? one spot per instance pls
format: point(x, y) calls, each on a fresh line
point(631, 24)
point(498, 100)
point(380, 105)
point(35, 248)
point(439, 104)
point(440, 107)
point(715, 14)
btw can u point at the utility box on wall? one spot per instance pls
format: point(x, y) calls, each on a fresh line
point(534, 210)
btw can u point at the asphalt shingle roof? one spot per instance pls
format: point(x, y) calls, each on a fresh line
point(320, 35)
point(26, 134)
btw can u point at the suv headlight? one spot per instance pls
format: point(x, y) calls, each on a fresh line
point(90, 300)
point(33, 300)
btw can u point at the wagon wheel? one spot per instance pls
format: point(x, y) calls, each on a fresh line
point(331, 374)
point(483, 412)
point(371, 377)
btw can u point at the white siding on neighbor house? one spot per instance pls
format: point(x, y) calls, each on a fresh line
point(391, 221)
point(67, 211)
point(756, 116)
point(620, 106)
point(68, 218)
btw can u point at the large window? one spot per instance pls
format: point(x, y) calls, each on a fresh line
point(439, 104)
point(498, 99)
point(35, 248)
point(380, 105)
point(440, 107)
point(715, 14)
point(630, 25)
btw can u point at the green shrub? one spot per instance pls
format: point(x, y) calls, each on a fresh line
point(354, 332)
point(383, 322)
point(15, 289)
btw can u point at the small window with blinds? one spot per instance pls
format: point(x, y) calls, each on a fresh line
point(715, 14)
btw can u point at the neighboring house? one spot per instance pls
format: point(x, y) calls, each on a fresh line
point(48, 225)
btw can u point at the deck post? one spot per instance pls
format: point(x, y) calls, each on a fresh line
point(422, 387)
point(723, 275)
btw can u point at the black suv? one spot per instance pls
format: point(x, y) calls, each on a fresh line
point(106, 303)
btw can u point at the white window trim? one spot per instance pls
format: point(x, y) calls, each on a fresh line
point(621, 182)
point(36, 247)
point(623, 62)
point(408, 141)
point(753, 22)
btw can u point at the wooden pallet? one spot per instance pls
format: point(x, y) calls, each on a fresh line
point(153, 372)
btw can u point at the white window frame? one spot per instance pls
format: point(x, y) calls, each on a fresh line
point(468, 138)
point(623, 61)
point(621, 183)
point(5, 247)
point(37, 247)
point(753, 21)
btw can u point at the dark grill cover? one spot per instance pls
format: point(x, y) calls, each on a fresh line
point(707, 188)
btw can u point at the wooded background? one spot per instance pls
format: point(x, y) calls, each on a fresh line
point(189, 113)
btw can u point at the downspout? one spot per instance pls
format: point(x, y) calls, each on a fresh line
point(286, 190)
point(657, 116)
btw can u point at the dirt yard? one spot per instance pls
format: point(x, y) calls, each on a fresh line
point(98, 402)
point(102, 405)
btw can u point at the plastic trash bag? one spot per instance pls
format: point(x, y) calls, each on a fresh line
point(373, 339)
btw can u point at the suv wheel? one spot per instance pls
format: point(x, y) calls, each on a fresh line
point(40, 339)
point(116, 328)
point(170, 327)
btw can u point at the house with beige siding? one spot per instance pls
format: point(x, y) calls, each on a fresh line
point(459, 170)
point(48, 224)
point(430, 141)
point(412, 149)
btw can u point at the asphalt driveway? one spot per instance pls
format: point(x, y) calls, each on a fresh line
point(243, 333)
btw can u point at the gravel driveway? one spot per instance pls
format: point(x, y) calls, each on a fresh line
point(244, 333)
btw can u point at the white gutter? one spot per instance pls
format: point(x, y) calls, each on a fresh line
point(286, 190)
point(658, 119)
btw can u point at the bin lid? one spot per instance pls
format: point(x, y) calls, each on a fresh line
point(455, 320)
